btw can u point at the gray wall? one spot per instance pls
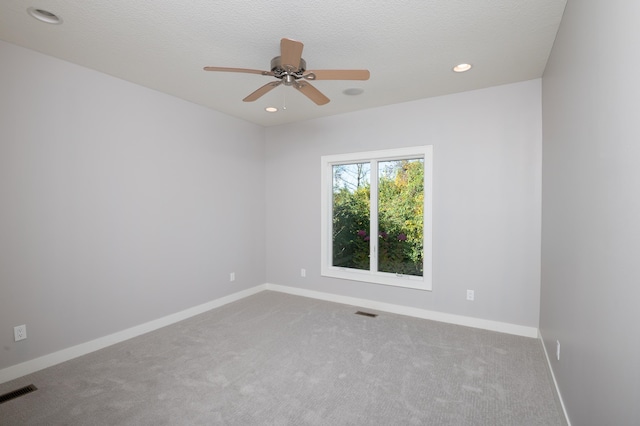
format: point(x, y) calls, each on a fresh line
point(591, 211)
point(487, 184)
point(118, 204)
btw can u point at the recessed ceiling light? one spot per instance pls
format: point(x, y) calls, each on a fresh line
point(353, 91)
point(44, 16)
point(462, 67)
point(271, 109)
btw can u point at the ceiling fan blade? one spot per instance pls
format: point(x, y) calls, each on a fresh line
point(262, 91)
point(290, 53)
point(337, 75)
point(246, 70)
point(311, 92)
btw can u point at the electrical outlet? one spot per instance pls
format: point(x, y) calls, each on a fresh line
point(20, 332)
point(303, 272)
point(232, 277)
point(471, 295)
point(558, 349)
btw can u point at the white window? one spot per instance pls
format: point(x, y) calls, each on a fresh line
point(376, 217)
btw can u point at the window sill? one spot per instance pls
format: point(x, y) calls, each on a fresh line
point(404, 281)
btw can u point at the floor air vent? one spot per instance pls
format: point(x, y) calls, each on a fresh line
point(366, 314)
point(17, 393)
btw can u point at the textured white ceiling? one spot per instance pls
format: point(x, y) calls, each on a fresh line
point(409, 46)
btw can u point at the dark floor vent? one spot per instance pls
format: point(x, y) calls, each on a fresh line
point(17, 393)
point(366, 314)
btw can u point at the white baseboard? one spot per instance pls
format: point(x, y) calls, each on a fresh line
point(518, 330)
point(555, 382)
point(67, 354)
point(63, 355)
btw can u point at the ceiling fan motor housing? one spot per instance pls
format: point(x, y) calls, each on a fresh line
point(287, 76)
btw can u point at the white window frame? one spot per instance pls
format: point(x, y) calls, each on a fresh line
point(424, 282)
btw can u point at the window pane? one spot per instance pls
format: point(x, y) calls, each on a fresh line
point(401, 216)
point(351, 204)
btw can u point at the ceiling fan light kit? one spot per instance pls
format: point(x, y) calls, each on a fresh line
point(291, 70)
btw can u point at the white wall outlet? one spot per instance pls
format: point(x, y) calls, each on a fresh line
point(558, 349)
point(232, 277)
point(471, 295)
point(303, 272)
point(20, 332)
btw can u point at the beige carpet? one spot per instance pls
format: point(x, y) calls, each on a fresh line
point(277, 359)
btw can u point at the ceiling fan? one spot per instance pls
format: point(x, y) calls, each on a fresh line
point(291, 70)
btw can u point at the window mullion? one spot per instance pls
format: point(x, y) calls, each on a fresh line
point(373, 217)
